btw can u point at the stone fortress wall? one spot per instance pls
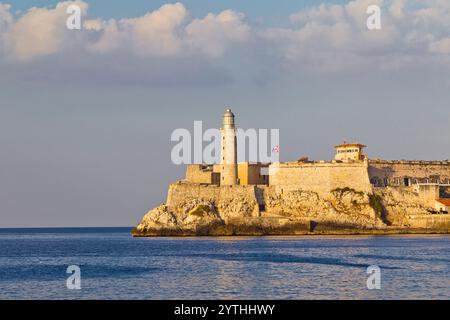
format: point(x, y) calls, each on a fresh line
point(385, 173)
point(248, 173)
point(325, 176)
point(409, 190)
point(320, 177)
point(199, 173)
point(350, 194)
point(181, 193)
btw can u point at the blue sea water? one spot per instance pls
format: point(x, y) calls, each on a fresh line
point(33, 264)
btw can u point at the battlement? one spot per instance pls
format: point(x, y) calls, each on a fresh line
point(351, 192)
point(320, 163)
point(248, 173)
point(321, 177)
point(200, 173)
point(350, 168)
point(385, 173)
point(410, 162)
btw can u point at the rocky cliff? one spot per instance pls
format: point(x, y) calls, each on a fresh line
point(195, 209)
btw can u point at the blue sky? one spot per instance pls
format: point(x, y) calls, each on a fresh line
point(86, 116)
point(267, 9)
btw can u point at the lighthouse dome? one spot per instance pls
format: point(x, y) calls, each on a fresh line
point(228, 113)
point(228, 119)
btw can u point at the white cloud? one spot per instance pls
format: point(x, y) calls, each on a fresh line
point(40, 31)
point(327, 14)
point(441, 46)
point(157, 32)
point(324, 38)
point(106, 34)
point(6, 20)
point(212, 34)
point(396, 10)
point(6, 17)
point(165, 32)
point(335, 37)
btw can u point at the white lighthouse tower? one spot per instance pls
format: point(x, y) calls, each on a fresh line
point(228, 160)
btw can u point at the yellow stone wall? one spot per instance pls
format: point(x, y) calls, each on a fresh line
point(416, 170)
point(431, 221)
point(320, 177)
point(181, 192)
point(198, 173)
point(349, 153)
point(441, 207)
point(250, 174)
point(428, 193)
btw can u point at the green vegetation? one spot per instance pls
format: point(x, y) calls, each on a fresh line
point(377, 205)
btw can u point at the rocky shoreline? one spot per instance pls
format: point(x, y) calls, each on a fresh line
point(231, 232)
point(198, 210)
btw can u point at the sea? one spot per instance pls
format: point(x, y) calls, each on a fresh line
point(108, 263)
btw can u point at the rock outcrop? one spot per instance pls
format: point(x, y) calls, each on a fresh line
point(195, 209)
point(187, 219)
point(340, 207)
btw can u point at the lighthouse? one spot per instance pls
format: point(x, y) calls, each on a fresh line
point(228, 160)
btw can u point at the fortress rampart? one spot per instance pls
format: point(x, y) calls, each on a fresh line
point(350, 195)
point(321, 177)
point(421, 221)
point(181, 192)
point(198, 173)
point(384, 173)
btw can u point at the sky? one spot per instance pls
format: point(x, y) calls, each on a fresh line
point(258, 9)
point(86, 115)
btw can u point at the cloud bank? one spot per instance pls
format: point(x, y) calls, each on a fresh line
point(317, 40)
point(166, 32)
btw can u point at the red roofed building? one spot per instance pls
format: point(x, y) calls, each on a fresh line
point(443, 205)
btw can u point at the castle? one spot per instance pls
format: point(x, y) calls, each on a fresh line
point(351, 194)
point(351, 168)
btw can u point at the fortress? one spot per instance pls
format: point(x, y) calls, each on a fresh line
point(349, 194)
